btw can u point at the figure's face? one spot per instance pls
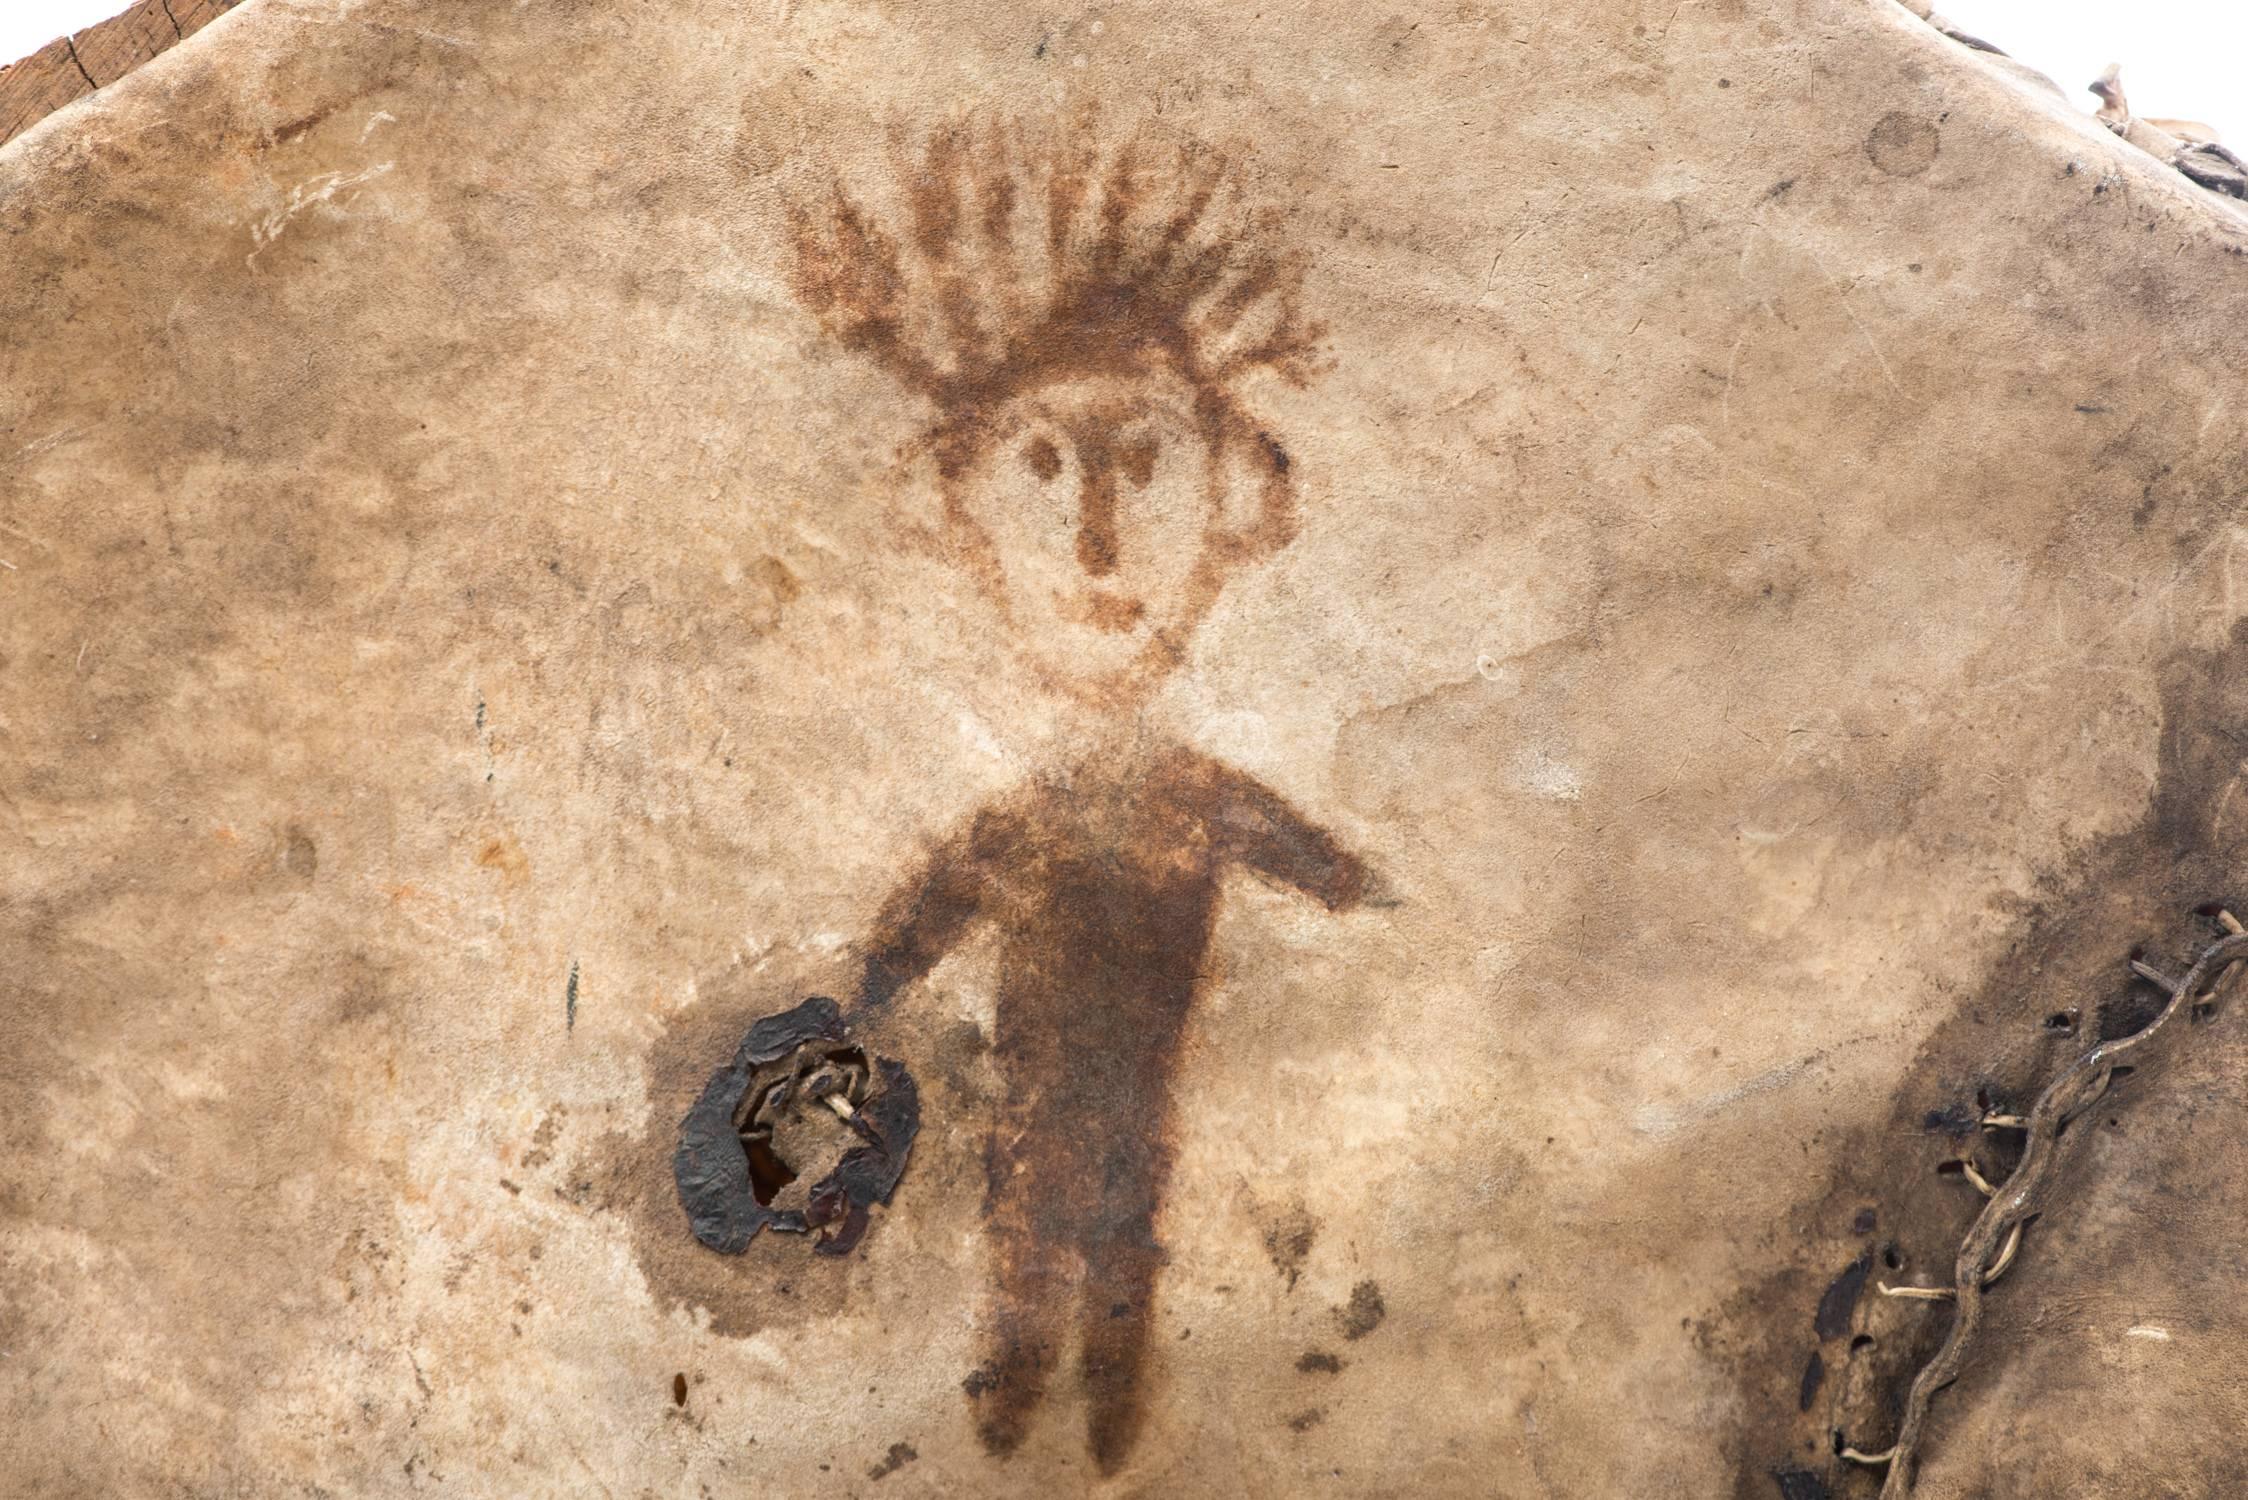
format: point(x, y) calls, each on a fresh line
point(1099, 497)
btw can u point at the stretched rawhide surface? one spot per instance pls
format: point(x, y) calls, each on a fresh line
point(974, 750)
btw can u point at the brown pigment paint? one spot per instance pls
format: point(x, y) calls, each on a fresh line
point(1104, 887)
point(1019, 273)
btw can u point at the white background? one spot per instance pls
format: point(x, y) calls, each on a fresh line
point(2186, 59)
point(2182, 59)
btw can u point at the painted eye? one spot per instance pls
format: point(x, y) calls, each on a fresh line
point(1044, 458)
point(1139, 461)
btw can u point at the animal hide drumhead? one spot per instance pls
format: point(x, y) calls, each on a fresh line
point(964, 749)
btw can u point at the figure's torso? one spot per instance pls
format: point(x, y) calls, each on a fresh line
point(1107, 896)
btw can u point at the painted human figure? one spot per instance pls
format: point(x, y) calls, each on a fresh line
point(1101, 479)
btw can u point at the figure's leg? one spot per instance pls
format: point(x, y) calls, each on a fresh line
point(1129, 1168)
point(1022, 1344)
point(1083, 1171)
point(1033, 1279)
point(1116, 1313)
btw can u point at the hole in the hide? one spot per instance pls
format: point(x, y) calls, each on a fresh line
point(768, 1174)
point(812, 1143)
point(2063, 1021)
point(790, 1129)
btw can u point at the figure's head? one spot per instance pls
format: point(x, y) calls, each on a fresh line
point(1103, 512)
point(1081, 335)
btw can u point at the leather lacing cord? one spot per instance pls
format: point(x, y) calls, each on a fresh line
point(1995, 1237)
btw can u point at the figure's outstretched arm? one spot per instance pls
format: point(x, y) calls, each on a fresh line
point(1259, 829)
point(930, 912)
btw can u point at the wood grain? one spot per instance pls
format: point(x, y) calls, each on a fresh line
point(74, 66)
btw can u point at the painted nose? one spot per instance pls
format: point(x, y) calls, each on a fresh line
point(1096, 518)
